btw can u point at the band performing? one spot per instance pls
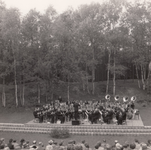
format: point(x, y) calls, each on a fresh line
point(94, 112)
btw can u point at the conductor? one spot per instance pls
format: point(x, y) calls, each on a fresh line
point(76, 108)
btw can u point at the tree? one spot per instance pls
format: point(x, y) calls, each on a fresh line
point(63, 31)
point(4, 66)
point(10, 29)
point(48, 61)
point(114, 37)
point(138, 21)
point(89, 29)
point(31, 35)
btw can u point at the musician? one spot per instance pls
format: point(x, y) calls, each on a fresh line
point(95, 115)
point(40, 116)
point(60, 115)
point(35, 112)
point(60, 99)
point(72, 110)
point(132, 105)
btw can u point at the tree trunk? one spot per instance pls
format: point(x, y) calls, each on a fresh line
point(108, 73)
point(46, 93)
point(137, 77)
point(52, 90)
point(93, 75)
point(133, 72)
point(68, 90)
point(87, 80)
point(15, 79)
point(83, 82)
point(93, 79)
point(3, 94)
point(142, 77)
point(15, 74)
point(38, 93)
point(23, 86)
point(148, 75)
point(23, 96)
point(114, 75)
point(20, 91)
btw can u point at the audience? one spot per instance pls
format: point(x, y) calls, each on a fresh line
point(137, 143)
point(10, 145)
point(2, 143)
point(49, 146)
point(73, 145)
point(6, 147)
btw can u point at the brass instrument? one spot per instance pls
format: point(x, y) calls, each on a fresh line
point(133, 98)
point(116, 97)
point(125, 99)
point(107, 97)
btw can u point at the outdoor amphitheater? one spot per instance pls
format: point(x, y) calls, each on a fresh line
point(75, 75)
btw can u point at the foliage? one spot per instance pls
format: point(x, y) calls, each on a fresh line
point(53, 49)
point(59, 133)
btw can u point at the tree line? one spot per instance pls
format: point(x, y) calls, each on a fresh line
point(50, 49)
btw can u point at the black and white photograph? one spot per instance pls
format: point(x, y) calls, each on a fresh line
point(75, 74)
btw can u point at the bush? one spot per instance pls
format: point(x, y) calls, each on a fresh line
point(59, 133)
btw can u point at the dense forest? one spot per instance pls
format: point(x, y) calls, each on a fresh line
point(96, 42)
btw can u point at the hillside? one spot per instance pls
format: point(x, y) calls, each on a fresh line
point(123, 88)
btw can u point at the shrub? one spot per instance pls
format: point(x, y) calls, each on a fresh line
point(59, 133)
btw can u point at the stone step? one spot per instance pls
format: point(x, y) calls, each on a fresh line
point(78, 130)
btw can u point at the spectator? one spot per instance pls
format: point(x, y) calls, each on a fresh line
point(49, 146)
point(61, 146)
point(149, 144)
point(71, 142)
point(10, 145)
point(22, 141)
point(41, 146)
point(143, 146)
point(78, 147)
point(87, 146)
point(82, 144)
point(132, 146)
point(54, 145)
point(118, 146)
point(104, 143)
point(34, 146)
point(137, 143)
point(16, 145)
point(2, 143)
point(108, 147)
point(98, 144)
point(70, 147)
point(126, 146)
point(6, 147)
point(27, 145)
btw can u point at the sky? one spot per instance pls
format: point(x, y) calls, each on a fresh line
point(41, 5)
